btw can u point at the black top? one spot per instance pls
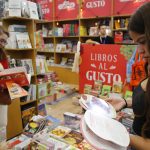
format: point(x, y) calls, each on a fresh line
point(104, 40)
point(138, 106)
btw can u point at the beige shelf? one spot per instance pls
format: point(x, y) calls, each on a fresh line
point(28, 102)
point(121, 29)
point(19, 49)
point(48, 37)
point(88, 36)
point(66, 36)
point(44, 51)
point(65, 52)
point(16, 18)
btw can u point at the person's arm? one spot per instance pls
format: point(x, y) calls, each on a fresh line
point(89, 41)
point(139, 143)
point(4, 97)
point(120, 103)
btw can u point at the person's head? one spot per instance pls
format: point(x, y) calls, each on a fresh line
point(3, 41)
point(102, 30)
point(3, 37)
point(139, 29)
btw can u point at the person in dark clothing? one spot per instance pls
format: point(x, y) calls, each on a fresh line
point(139, 30)
point(103, 38)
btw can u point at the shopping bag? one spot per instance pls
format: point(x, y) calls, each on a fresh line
point(138, 70)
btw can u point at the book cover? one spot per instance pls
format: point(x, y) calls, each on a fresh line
point(42, 90)
point(73, 138)
point(23, 40)
point(128, 94)
point(117, 87)
point(42, 109)
point(33, 10)
point(27, 63)
point(15, 91)
point(14, 8)
point(17, 75)
point(27, 114)
point(106, 90)
point(60, 131)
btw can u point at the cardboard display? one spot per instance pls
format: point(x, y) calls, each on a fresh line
point(95, 8)
point(103, 62)
point(66, 9)
point(127, 7)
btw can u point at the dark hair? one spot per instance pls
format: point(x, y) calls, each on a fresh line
point(140, 23)
point(2, 52)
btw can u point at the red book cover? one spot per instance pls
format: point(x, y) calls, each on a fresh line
point(17, 75)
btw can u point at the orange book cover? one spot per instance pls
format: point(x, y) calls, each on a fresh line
point(15, 91)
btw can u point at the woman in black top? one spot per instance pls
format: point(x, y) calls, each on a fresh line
point(139, 30)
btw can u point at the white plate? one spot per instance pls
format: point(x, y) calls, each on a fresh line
point(107, 128)
point(95, 141)
point(98, 105)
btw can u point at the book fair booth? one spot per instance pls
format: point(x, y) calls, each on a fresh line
point(59, 83)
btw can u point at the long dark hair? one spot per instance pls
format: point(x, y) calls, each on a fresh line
point(2, 51)
point(140, 23)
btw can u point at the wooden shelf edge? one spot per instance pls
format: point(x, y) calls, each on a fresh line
point(28, 102)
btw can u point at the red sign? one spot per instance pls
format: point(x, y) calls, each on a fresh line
point(102, 62)
point(47, 9)
point(66, 9)
point(127, 7)
point(96, 8)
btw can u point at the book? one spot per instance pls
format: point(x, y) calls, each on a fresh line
point(40, 64)
point(33, 10)
point(42, 90)
point(15, 91)
point(117, 87)
point(42, 109)
point(73, 138)
point(23, 40)
point(27, 114)
point(17, 75)
point(60, 131)
point(14, 8)
point(27, 63)
point(106, 90)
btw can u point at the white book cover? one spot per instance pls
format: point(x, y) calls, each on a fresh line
point(40, 64)
point(23, 40)
point(27, 63)
point(14, 8)
point(33, 10)
point(17, 28)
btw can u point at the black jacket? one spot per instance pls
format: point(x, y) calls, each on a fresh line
point(105, 40)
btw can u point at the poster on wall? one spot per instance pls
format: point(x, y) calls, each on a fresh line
point(66, 9)
point(127, 7)
point(96, 8)
point(47, 9)
point(103, 62)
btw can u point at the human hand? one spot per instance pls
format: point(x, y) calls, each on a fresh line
point(117, 103)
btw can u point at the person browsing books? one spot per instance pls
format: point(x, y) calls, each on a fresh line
point(139, 30)
point(4, 95)
point(103, 38)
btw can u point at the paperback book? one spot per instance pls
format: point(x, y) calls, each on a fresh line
point(15, 91)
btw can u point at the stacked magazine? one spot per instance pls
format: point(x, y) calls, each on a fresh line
point(97, 105)
point(103, 132)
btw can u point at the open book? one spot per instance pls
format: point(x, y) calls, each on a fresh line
point(14, 79)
